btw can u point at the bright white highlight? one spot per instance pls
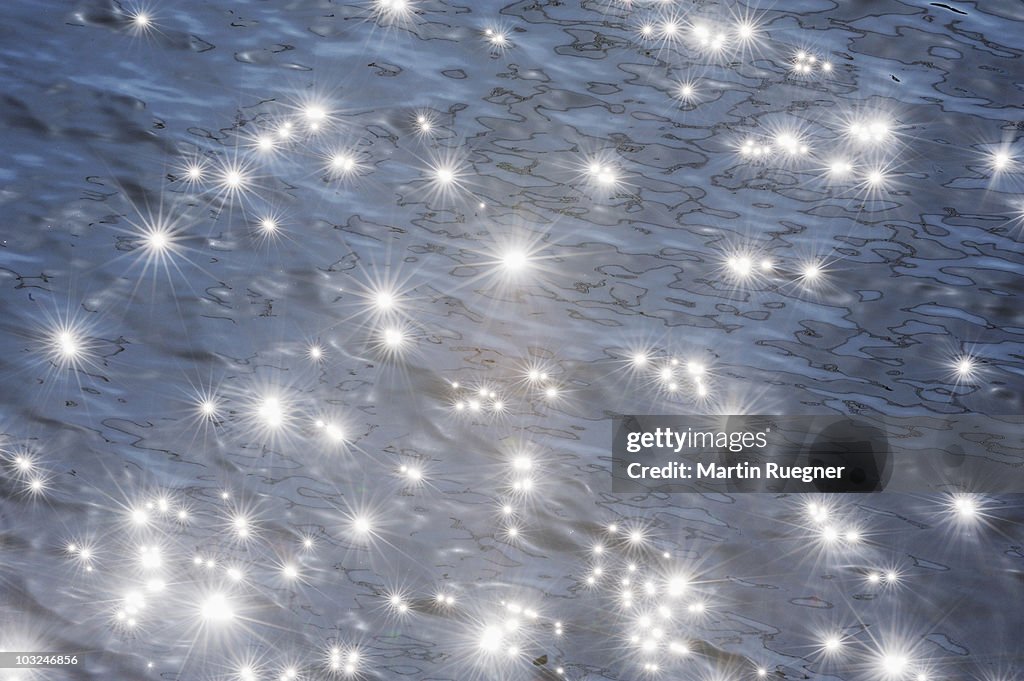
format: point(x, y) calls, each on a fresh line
point(394, 338)
point(686, 92)
point(216, 608)
point(873, 131)
point(965, 368)
point(741, 266)
point(1001, 161)
point(811, 272)
point(893, 665)
point(515, 260)
point(491, 639)
point(271, 412)
point(444, 175)
point(384, 301)
point(67, 344)
point(362, 525)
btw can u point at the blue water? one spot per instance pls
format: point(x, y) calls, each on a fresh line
point(876, 292)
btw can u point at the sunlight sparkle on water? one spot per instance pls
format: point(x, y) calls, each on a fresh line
point(216, 608)
point(515, 260)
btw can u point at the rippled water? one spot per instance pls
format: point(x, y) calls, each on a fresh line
point(642, 223)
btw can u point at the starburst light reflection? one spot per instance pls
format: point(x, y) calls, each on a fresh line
point(379, 446)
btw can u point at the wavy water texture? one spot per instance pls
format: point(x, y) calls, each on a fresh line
point(427, 484)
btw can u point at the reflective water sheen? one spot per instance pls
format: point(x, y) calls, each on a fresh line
point(315, 316)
